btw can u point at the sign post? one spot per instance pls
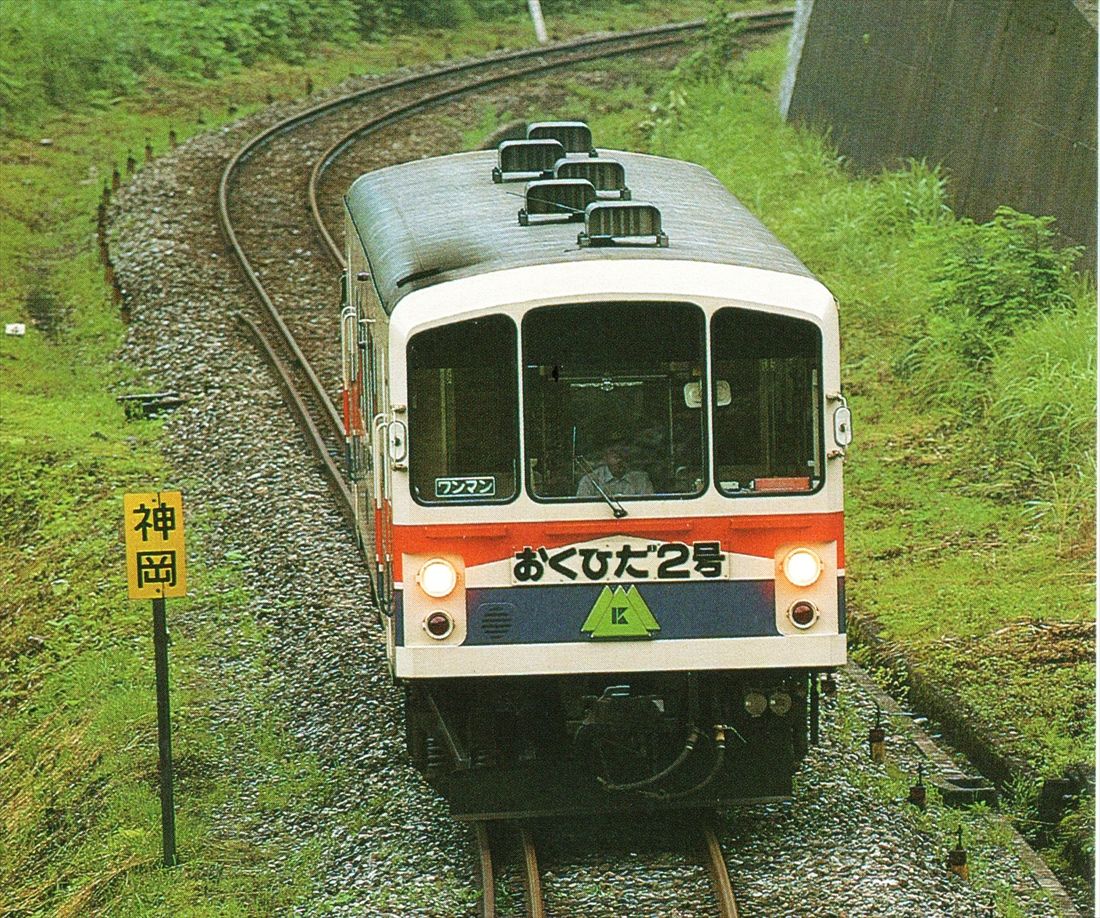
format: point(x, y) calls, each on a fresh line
point(156, 568)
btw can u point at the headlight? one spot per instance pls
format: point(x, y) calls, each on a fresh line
point(437, 578)
point(780, 703)
point(802, 567)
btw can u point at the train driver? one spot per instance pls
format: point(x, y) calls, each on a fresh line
point(615, 476)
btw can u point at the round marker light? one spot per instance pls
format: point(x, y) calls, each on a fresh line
point(779, 703)
point(439, 625)
point(802, 613)
point(437, 578)
point(756, 703)
point(802, 567)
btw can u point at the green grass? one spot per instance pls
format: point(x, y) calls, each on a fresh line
point(79, 802)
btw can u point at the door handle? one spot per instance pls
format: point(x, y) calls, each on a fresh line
point(397, 436)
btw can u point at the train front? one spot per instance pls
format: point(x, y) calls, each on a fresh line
point(618, 534)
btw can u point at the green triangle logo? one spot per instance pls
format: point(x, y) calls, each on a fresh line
point(621, 614)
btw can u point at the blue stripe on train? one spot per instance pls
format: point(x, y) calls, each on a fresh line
point(542, 615)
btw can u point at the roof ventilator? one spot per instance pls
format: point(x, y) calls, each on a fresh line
point(607, 176)
point(556, 201)
point(575, 136)
point(526, 159)
point(621, 223)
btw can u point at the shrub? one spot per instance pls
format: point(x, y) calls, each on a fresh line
point(442, 14)
point(711, 60)
point(994, 279)
point(1002, 274)
point(1043, 391)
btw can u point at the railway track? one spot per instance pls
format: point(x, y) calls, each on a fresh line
point(532, 876)
point(310, 399)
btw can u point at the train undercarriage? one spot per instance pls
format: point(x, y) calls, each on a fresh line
point(512, 748)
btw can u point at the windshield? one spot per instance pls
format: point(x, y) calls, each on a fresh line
point(767, 403)
point(464, 412)
point(611, 401)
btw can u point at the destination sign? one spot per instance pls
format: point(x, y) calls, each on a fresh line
point(618, 560)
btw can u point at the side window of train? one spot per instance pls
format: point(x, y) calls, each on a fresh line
point(767, 403)
point(464, 412)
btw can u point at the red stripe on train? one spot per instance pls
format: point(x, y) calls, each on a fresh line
point(479, 543)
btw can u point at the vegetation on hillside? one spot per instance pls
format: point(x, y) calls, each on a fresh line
point(61, 55)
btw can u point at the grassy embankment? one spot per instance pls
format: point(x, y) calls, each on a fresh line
point(969, 362)
point(79, 816)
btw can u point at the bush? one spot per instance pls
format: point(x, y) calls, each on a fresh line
point(1043, 402)
point(1007, 348)
point(57, 54)
point(994, 279)
point(1001, 274)
point(710, 61)
point(442, 14)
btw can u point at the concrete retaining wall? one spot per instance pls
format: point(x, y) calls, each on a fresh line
point(1001, 92)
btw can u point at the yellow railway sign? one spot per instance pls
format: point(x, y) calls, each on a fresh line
point(156, 567)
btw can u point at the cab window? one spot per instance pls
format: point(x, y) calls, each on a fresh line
point(611, 401)
point(767, 403)
point(463, 412)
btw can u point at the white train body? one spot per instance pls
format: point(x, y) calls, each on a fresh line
point(497, 372)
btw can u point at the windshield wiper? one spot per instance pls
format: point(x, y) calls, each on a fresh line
point(618, 509)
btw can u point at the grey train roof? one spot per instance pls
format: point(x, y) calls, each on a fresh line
point(436, 220)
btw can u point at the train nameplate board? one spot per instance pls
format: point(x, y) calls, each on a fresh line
point(620, 561)
point(156, 565)
point(466, 486)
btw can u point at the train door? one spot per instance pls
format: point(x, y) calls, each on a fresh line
point(355, 394)
point(368, 418)
point(384, 457)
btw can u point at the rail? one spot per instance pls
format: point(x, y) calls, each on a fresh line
point(532, 876)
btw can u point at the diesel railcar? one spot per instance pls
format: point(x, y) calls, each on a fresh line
point(596, 432)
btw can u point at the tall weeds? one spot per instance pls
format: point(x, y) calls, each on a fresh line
point(995, 278)
point(1007, 347)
